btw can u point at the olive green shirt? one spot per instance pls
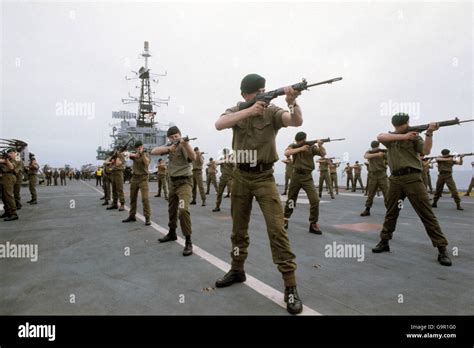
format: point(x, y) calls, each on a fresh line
point(139, 167)
point(258, 133)
point(227, 168)
point(121, 157)
point(445, 166)
point(348, 170)
point(289, 168)
point(179, 163)
point(333, 169)
point(212, 167)
point(197, 164)
point(305, 160)
point(377, 164)
point(426, 166)
point(323, 166)
point(404, 153)
point(357, 169)
point(33, 168)
point(162, 169)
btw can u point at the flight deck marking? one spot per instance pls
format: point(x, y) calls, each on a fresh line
point(252, 282)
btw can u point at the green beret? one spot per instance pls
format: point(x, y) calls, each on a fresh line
point(445, 152)
point(252, 83)
point(399, 119)
point(173, 130)
point(374, 144)
point(300, 136)
point(138, 143)
point(11, 149)
point(196, 148)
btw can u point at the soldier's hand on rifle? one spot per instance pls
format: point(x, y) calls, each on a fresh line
point(172, 148)
point(411, 135)
point(433, 127)
point(291, 95)
point(320, 143)
point(258, 108)
point(305, 148)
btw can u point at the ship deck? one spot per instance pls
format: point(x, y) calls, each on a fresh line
point(82, 247)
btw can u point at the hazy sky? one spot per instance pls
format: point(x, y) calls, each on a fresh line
point(389, 54)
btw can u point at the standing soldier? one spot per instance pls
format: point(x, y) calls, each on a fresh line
point(49, 175)
point(227, 172)
point(62, 176)
point(32, 171)
point(445, 176)
point(118, 165)
point(302, 178)
point(288, 172)
point(255, 129)
point(211, 175)
point(9, 179)
point(98, 176)
point(181, 155)
point(324, 175)
point(55, 177)
point(468, 192)
point(350, 178)
point(139, 182)
point(19, 169)
point(197, 177)
point(377, 159)
point(162, 170)
point(107, 181)
point(405, 181)
point(357, 176)
point(367, 181)
point(427, 165)
point(333, 172)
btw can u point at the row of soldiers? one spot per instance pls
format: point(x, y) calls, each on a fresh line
point(254, 129)
point(53, 175)
point(11, 178)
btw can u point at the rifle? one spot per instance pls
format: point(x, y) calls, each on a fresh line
point(456, 155)
point(121, 149)
point(312, 142)
point(267, 97)
point(377, 151)
point(423, 127)
point(178, 141)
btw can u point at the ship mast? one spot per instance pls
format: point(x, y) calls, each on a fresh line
point(145, 115)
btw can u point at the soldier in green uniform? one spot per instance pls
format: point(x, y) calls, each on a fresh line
point(211, 175)
point(445, 176)
point(162, 178)
point(377, 159)
point(49, 175)
point(255, 129)
point(9, 178)
point(197, 177)
point(32, 171)
point(118, 166)
point(367, 181)
point(406, 181)
point(427, 165)
point(302, 178)
point(468, 192)
point(333, 173)
point(180, 155)
point(288, 172)
point(19, 169)
point(55, 177)
point(350, 177)
point(62, 176)
point(227, 165)
point(324, 176)
point(357, 176)
point(139, 182)
point(107, 181)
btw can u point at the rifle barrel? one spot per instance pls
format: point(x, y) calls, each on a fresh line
point(324, 82)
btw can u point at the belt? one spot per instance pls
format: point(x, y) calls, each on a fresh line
point(444, 172)
point(176, 178)
point(405, 171)
point(261, 167)
point(139, 174)
point(302, 171)
point(194, 170)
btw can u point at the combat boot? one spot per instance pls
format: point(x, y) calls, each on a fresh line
point(171, 236)
point(122, 207)
point(130, 219)
point(381, 247)
point(18, 206)
point(30, 201)
point(314, 228)
point(203, 204)
point(435, 204)
point(105, 203)
point(112, 207)
point(227, 196)
point(366, 212)
point(102, 198)
point(230, 278)
point(34, 202)
point(216, 209)
point(147, 222)
point(294, 305)
point(443, 257)
point(193, 202)
point(188, 247)
point(4, 215)
point(458, 206)
point(284, 193)
point(11, 218)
